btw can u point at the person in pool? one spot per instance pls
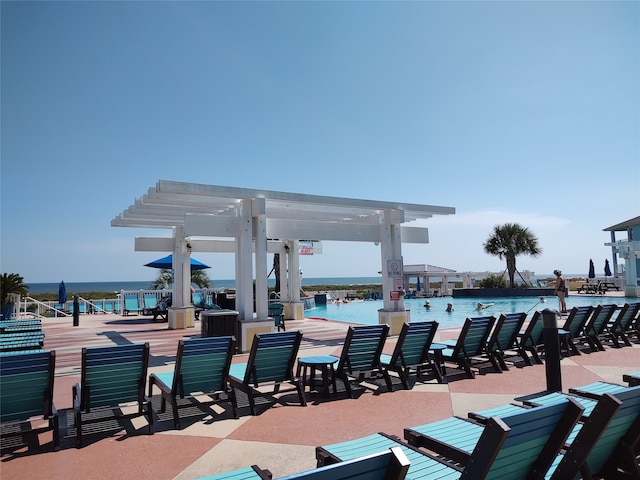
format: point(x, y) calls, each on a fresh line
point(449, 307)
point(427, 304)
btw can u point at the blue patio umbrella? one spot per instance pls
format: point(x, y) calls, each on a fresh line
point(418, 285)
point(592, 270)
point(167, 263)
point(607, 269)
point(62, 294)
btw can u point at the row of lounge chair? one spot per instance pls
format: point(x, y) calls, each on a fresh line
point(22, 334)
point(558, 440)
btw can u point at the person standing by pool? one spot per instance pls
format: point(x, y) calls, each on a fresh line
point(561, 290)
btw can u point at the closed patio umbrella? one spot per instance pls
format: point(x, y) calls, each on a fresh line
point(62, 294)
point(592, 270)
point(418, 285)
point(607, 269)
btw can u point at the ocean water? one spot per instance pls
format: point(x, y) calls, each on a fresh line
point(81, 287)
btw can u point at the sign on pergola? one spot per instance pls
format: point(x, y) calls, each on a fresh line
point(214, 218)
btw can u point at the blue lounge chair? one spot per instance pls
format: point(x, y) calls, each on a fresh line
point(515, 447)
point(412, 352)
point(26, 392)
point(361, 355)
point(470, 345)
point(111, 376)
point(270, 362)
point(633, 379)
point(131, 303)
point(202, 368)
point(149, 302)
point(386, 465)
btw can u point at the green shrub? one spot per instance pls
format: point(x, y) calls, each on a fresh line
point(493, 281)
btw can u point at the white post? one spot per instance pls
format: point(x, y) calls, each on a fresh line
point(244, 263)
point(260, 235)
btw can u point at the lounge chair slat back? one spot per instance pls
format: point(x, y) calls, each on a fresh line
point(26, 385)
point(509, 326)
point(414, 342)
point(204, 364)
point(272, 359)
point(473, 337)
point(362, 348)
point(577, 319)
point(113, 375)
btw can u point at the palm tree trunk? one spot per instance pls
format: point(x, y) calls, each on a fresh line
point(511, 267)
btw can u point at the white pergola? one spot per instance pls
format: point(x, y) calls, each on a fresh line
point(252, 223)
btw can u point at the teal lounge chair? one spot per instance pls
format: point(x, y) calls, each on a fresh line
point(616, 331)
point(132, 303)
point(412, 352)
point(202, 368)
point(633, 379)
point(504, 338)
point(276, 311)
point(515, 447)
point(26, 393)
point(530, 340)
point(360, 355)
point(605, 443)
point(597, 324)
point(387, 465)
point(572, 331)
point(111, 376)
point(270, 362)
point(149, 302)
point(471, 344)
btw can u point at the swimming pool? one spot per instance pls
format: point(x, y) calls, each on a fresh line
point(367, 312)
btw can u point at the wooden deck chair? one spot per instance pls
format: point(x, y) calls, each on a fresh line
point(202, 368)
point(597, 324)
point(530, 340)
point(26, 393)
point(270, 361)
point(360, 355)
point(504, 338)
point(412, 352)
point(633, 379)
point(471, 343)
point(131, 303)
point(573, 329)
point(605, 443)
point(276, 311)
point(597, 389)
point(616, 331)
point(386, 465)
point(515, 447)
point(111, 376)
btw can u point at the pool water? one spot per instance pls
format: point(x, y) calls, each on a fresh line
point(366, 312)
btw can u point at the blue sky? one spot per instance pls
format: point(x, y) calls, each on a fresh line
point(523, 112)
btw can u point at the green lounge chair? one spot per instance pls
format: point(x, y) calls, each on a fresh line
point(270, 361)
point(360, 355)
point(514, 447)
point(202, 368)
point(412, 352)
point(26, 392)
point(386, 465)
point(111, 376)
point(132, 304)
point(470, 345)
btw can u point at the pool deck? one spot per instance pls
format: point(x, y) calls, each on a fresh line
point(283, 436)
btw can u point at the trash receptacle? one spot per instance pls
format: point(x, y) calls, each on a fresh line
point(219, 323)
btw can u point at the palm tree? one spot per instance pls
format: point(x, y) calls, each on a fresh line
point(165, 278)
point(510, 240)
point(12, 283)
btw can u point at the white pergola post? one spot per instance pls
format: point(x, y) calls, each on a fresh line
point(181, 314)
point(295, 308)
point(260, 242)
point(244, 264)
point(284, 281)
